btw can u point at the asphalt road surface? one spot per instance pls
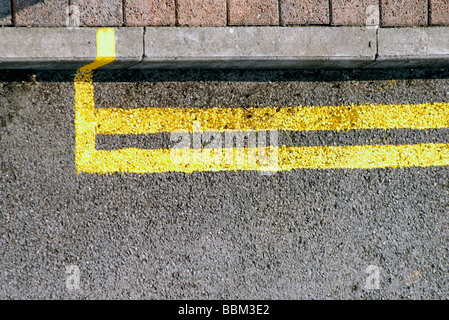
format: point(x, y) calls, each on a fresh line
point(299, 234)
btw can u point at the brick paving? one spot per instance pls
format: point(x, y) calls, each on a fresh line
point(386, 13)
point(106, 13)
point(202, 13)
point(305, 12)
point(404, 13)
point(48, 13)
point(150, 13)
point(439, 12)
point(253, 12)
point(5, 13)
point(355, 12)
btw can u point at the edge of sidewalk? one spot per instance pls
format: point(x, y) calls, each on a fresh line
point(229, 47)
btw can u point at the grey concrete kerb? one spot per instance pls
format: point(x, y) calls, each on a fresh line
point(259, 47)
point(229, 47)
point(64, 48)
point(413, 47)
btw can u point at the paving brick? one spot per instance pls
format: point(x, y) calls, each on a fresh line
point(253, 12)
point(5, 13)
point(403, 12)
point(355, 12)
point(439, 12)
point(303, 12)
point(48, 13)
point(202, 12)
point(106, 13)
point(150, 12)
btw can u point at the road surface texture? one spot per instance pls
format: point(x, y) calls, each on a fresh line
point(300, 234)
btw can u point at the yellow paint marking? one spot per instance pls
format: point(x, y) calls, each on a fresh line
point(85, 120)
point(90, 121)
point(289, 158)
point(154, 120)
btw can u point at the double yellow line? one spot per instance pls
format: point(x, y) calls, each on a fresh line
point(90, 121)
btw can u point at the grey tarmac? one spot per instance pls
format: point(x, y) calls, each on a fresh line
point(302, 234)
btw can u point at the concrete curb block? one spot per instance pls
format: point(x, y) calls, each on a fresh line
point(413, 47)
point(259, 47)
point(229, 47)
point(64, 48)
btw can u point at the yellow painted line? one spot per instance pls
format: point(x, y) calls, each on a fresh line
point(85, 120)
point(90, 121)
point(303, 118)
point(288, 158)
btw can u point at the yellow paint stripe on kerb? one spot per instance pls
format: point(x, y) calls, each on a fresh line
point(90, 121)
point(85, 120)
point(154, 120)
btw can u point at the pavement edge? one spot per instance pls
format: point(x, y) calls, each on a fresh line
point(229, 47)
